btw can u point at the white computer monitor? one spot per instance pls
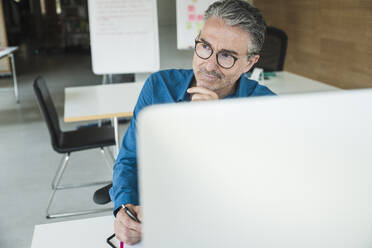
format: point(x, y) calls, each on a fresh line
point(290, 171)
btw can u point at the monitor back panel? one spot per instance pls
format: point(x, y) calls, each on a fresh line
point(293, 171)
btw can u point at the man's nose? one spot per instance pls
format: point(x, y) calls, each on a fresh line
point(211, 63)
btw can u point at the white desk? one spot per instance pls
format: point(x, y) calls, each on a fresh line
point(101, 102)
point(289, 83)
point(8, 51)
point(90, 233)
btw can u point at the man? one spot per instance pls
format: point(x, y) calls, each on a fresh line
point(226, 48)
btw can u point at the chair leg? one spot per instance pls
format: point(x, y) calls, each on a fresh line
point(110, 153)
point(109, 162)
point(56, 186)
point(60, 170)
point(57, 179)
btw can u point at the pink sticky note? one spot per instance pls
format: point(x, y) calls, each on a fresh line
point(192, 17)
point(191, 8)
point(200, 17)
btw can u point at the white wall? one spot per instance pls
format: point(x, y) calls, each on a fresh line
point(167, 12)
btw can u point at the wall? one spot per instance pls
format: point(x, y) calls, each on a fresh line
point(4, 62)
point(167, 12)
point(328, 40)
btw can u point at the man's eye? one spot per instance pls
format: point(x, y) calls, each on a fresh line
point(226, 55)
point(206, 47)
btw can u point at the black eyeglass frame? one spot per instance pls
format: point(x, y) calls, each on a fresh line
point(199, 41)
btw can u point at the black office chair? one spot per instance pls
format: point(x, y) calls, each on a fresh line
point(67, 142)
point(274, 49)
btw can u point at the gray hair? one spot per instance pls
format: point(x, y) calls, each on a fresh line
point(239, 13)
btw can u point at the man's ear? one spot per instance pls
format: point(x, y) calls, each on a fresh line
point(253, 60)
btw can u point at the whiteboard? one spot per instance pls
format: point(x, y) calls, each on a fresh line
point(123, 36)
point(190, 15)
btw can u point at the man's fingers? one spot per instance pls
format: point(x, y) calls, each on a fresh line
point(201, 90)
point(200, 97)
point(126, 229)
point(197, 89)
point(125, 233)
point(127, 221)
point(201, 94)
point(129, 234)
point(119, 229)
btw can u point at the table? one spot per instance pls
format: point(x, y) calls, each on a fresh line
point(101, 102)
point(289, 83)
point(8, 51)
point(90, 232)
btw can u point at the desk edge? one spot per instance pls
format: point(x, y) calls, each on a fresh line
point(97, 117)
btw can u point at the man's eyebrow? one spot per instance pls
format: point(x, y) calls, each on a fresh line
point(222, 50)
point(229, 51)
point(206, 42)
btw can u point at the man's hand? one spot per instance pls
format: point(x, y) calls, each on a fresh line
point(201, 94)
point(126, 229)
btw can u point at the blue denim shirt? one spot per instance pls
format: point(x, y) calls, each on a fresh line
point(167, 86)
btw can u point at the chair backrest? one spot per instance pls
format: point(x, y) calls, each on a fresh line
point(48, 110)
point(274, 49)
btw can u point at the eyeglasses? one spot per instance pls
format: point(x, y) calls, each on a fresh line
point(205, 51)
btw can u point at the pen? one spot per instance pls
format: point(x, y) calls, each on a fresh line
point(132, 216)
